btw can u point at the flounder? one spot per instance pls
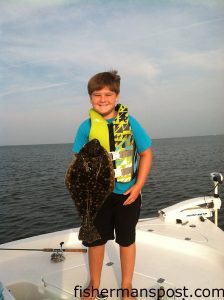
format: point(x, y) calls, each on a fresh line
point(90, 180)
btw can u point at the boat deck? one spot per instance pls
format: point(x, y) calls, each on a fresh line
point(174, 256)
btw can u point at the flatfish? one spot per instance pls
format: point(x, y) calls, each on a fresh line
point(90, 180)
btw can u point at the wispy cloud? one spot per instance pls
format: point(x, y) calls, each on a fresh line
point(31, 89)
point(212, 60)
point(187, 26)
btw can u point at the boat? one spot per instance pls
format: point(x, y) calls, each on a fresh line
point(180, 255)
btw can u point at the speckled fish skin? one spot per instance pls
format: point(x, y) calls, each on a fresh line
point(90, 180)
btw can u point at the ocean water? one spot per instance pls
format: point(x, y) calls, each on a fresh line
point(34, 199)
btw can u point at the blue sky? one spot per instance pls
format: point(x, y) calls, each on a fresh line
point(170, 55)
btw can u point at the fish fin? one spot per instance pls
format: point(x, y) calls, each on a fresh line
point(68, 174)
point(89, 233)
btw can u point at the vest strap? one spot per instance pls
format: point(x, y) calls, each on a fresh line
point(120, 154)
point(121, 172)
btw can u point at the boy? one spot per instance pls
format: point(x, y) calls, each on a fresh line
point(122, 135)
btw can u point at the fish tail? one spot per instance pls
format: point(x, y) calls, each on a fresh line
point(89, 234)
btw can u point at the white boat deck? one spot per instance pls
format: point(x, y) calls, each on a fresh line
point(174, 256)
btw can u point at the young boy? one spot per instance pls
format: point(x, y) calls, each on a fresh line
point(121, 134)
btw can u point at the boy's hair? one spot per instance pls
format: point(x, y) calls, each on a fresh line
point(109, 79)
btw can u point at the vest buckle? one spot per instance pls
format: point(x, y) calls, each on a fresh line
point(115, 155)
point(118, 173)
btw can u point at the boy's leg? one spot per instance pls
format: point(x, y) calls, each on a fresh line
point(105, 225)
point(96, 255)
point(126, 219)
point(127, 257)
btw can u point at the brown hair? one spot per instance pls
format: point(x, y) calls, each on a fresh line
point(109, 79)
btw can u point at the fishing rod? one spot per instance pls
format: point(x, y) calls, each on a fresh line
point(45, 249)
point(57, 254)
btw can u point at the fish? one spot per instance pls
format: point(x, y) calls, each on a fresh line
point(90, 180)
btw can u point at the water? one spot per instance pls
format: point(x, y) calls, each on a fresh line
point(34, 200)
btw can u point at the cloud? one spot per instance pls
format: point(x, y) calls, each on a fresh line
point(187, 26)
point(65, 53)
point(208, 60)
point(165, 51)
point(206, 3)
point(34, 88)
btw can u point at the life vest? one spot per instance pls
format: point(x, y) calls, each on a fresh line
point(117, 138)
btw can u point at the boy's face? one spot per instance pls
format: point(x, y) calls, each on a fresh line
point(104, 102)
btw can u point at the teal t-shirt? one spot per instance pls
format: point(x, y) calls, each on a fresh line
point(142, 141)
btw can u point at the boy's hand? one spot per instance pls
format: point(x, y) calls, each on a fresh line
point(144, 167)
point(134, 192)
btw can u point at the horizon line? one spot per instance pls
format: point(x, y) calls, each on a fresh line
point(160, 138)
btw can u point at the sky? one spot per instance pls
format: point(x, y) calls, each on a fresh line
point(169, 54)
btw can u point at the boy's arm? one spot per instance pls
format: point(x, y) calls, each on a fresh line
point(82, 136)
point(145, 164)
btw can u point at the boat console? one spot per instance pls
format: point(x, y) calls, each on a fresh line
point(200, 207)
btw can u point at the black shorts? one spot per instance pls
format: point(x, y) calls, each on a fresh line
point(114, 216)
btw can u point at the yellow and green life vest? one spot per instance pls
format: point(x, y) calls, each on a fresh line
point(117, 138)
